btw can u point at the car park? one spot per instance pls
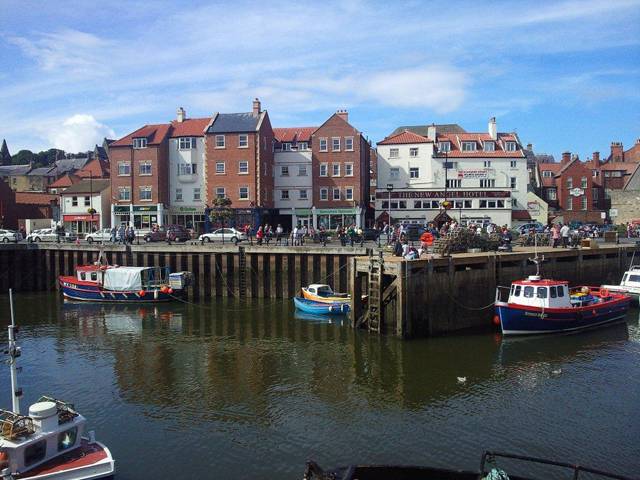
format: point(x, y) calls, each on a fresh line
point(171, 233)
point(7, 236)
point(100, 236)
point(223, 235)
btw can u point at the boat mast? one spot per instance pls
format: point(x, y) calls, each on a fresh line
point(537, 260)
point(14, 353)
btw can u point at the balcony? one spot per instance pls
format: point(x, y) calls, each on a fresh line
point(188, 178)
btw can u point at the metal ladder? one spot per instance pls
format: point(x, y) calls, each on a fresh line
point(376, 267)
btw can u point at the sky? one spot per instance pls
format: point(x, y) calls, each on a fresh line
point(564, 75)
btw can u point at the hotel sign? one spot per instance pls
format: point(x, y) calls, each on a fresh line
point(477, 173)
point(383, 195)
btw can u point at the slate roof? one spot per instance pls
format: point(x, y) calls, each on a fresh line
point(88, 186)
point(43, 172)
point(294, 134)
point(65, 165)
point(234, 122)
point(404, 137)
point(422, 129)
point(6, 170)
point(102, 153)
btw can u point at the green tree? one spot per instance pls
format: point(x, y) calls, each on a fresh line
point(221, 211)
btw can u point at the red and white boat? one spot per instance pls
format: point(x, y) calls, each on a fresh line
point(49, 442)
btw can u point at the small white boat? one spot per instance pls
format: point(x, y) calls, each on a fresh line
point(630, 283)
point(48, 443)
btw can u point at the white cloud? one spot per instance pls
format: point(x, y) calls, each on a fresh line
point(78, 133)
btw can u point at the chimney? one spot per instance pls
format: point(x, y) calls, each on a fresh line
point(182, 115)
point(343, 114)
point(493, 128)
point(566, 157)
point(530, 147)
point(596, 158)
point(617, 155)
point(256, 107)
point(431, 132)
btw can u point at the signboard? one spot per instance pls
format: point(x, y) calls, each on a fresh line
point(187, 209)
point(145, 208)
point(613, 212)
point(81, 218)
point(121, 209)
point(533, 207)
point(382, 195)
point(576, 192)
point(339, 211)
point(477, 173)
point(603, 215)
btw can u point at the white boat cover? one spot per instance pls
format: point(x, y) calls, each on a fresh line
point(123, 278)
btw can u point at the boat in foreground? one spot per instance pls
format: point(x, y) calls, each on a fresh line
point(488, 470)
point(630, 283)
point(114, 283)
point(320, 308)
point(48, 443)
point(323, 293)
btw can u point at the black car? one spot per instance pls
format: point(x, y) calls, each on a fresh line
point(370, 234)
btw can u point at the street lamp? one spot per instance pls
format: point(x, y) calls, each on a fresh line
point(389, 189)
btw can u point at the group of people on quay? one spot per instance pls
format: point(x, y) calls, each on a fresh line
point(123, 234)
point(302, 234)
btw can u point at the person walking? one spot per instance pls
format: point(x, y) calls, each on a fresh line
point(259, 235)
point(564, 233)
point(279, 232)
point(294, 236)
point(114, 234)
point(555, 235)
point(121, 233)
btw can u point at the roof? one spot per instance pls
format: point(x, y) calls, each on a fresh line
point(65, 165)
point(88, 186)
point(155, 134)
point(552, 167)
point(456, 140)
point(404, 137)
point(520, 215)
point(43, 172)
point(35, 198)
point(190, 127)
point(422, 129)
point(6, 170)
point(102, 152)
point(234, 122)
point(96, 168)
point(294, 134)
point(66, 180)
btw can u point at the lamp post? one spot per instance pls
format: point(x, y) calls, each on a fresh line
point(389, 189)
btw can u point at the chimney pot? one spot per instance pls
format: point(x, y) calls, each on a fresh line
point(343, 114)
point(566, 157)
point(182, 115)
point(596, 158)
point(256, 107)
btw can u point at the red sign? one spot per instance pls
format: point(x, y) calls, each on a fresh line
point(81, 218)
point(381, 194)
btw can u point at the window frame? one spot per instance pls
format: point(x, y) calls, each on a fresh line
point(145, 163)
point(197, 198)
point(348, 193)
point(241, 137)
point(333, 194)
point(394, 152)
point(413, 170)
point(323, 144)
point(145, 188)
point(220, 195)
point(126, 164)
point(301, 196)
point(335, 167)
point(284, 170)
point(139, 143)
point(283, 196)
point(186, 143)
point(347, 141)
point(224, 168)
point(220, 141)
point(333, 144)
point(324, 192)
point(468, 146)
point(414, 152)
point(122, 190)
point(240, 163)
point(240, 189)
point(325, 167)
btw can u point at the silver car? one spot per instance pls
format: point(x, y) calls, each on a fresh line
point(7, 236)
point(100, 236)
point(223, 235)
point(50, 235)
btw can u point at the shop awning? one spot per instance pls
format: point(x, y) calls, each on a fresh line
point(81, 218)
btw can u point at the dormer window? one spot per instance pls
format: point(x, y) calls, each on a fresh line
point(468, 146)
point(547, 173)
point(139, 143)
point(489, 147)
point(444, 146)
point(511, 147)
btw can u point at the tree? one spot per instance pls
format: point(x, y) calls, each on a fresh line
point(220, 211)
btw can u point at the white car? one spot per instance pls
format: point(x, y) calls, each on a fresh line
point(7, 236)
point(50, 235)
point(100, 236)
point(223, 235)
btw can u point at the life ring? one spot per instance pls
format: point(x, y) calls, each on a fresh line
point(604, 292)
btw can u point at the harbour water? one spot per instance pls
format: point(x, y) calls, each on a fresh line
point(248, 390)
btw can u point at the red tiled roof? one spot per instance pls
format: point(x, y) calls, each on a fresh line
point(549, 167)
point(520, 215)
point(294, 134)
point(35, 198)
point(154, 134)
point(191, 127)
point(403, 138)
point(95, 168)
point(455, 140)
point(65, 181)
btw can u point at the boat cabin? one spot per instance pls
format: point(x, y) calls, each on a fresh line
point(114, 277)
point(631, 278)
point(536, 292)
point(51, 429)
point(320, 290)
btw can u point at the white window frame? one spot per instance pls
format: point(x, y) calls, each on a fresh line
point(333, 194)
point(487, 164)
point(243, 140)
point(454, 183)
point(187, 169)
point(284, 171)
point(325, 167)
point(303, 146)
point(513, 183)
point(246, 164)
point(221, 192)
point(286, 147)
point(348, 169)
point(510, 146)
point(468, 146)
point(489, 146)
point(414, 151)
point(348, 144)
point(145, 188)
point(284, 195)
point(324, 194)
point(333, 144)
point(335, 169)
point(302, 170)
point(348, 193)
point(324, 147)
point(179, 197)
point(197, 194)
point(414, 170)
point(220, 141)
point(139, 143)
point(584, 202)
point(128, 166)
point(145, 164)
point(394, 153)
point(186, 143)
point(514, 164)
point(488, 183)
point(394, 173)
point(584, 183)
point(224, 168)
point(121, 191)
point(240, 197)
point(303, 194)
point(552, 194)
point(444, 146)
point(547, 173)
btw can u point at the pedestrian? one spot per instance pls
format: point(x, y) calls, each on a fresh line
point(564, 233)
point(294, 236)
point(323, 235)
point(279, 232)
point(114, 233)
point(132, 234)
point(555, 235)
point(121, 233)
point(259, 235)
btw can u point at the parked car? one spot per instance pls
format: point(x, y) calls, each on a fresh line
point(526, 228)
point(7, 236)
point(370, 234)
point(223, 234)
point(50, 235)
point(103, 235)
point(413, 232)
point(170, 233)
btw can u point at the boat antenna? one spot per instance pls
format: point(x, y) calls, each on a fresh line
point(14, 352)
point(536, 259)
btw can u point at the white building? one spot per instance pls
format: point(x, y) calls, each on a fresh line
point(78, 201)
point(482, 176)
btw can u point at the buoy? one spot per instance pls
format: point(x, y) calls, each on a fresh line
point(604, 292)
point(4, 460)
point(142, 293)
point(169, 290)
point(496, 320)
point(164, 289)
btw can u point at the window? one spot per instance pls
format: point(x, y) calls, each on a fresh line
point(145, 194)
point(552, 292)
point(196, 194)
point(417, 204)
point(487, 163)
point(528, 292)
point(189, 168)
point(186, 143)
point(336, 194)
point(394, 173)
point(335, 144)
point(286, 147)
point(284, 171)
point(454, 183)
point(583, 202)
point(595, 194)
point(243, 140)
point(67, 439)
point(124, 193)
point(459, 204)
point(595, 173)
point(489, 147)
point(444, 146)
point(348, 169)
point(74, 201)
point(468, 146)
point(513, 164)
point(511, 146)
point(35, 453)
point(547, 173)
point(542, 292)
point(570, 203)
point(348, 144)
point(348, 193)
point(284, 194)
point(514, 183)
point(518, 290)
point(552, 194)
point(243, 167)
point(302, 170)
point(302, 194)
point(124, 168)
point(324, 194)
point(303, 146)
point(144, 168)
point(413, 152)
point(219, 141)
point(394, 152)
point(402, 204)
point(583, 182)
point(487, 183)
point(243, 193)
point(491, 204)
point(220, 192)
point(178, 194)
point(414, 172)
point(87, 201)
point(219, 168)
point(323, 144)
point(569, 182)
point(324, 167)
point(561, 291)
point(139, 143)
point(616, 173)
point(335, 167)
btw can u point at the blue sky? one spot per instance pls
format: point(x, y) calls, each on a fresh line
point(564, 74)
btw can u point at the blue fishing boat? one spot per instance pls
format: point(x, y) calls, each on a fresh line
point(320, 308)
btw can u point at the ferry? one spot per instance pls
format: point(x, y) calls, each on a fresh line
point(537, 306)
point(114, 283)
point(49, 442)
point(630, 283)
point(324, 294)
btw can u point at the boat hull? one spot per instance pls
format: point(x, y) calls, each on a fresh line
point(86, 292)
point(320, 308)
point(524, 320)
point(317, 298)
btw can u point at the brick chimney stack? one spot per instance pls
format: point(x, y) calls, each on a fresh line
point(530, 147)
point(343, 114)
point(256, 107)
point(566, 157)
point(596, 158)
point(617, 155)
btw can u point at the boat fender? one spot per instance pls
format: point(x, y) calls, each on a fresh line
point(164, 289)
point(155, 294)
point(604, 292)
point(169, 290)
point(331, 308)
point(496, 320)
point(142, 293)
point(4, 460)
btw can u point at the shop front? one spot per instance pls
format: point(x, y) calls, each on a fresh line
point(143, 217)
point(81, 224)
point(332, 218)
point(191, 218)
